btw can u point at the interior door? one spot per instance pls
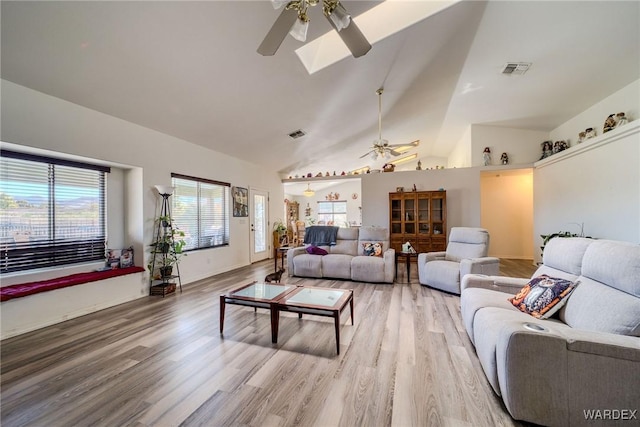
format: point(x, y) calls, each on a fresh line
point(259, 234)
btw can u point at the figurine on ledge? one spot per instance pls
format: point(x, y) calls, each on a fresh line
point(504, 159)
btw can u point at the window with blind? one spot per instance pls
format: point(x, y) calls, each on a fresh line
point(200, 208)
point(333, 213)
point(52, 212)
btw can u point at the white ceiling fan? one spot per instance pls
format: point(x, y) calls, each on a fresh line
point(381, 147)
point(295, 21)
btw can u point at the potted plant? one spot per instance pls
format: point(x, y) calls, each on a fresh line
point(167, 250)
point(279, 232)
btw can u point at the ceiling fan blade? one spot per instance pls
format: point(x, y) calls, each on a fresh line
point(278, 32)
point(353, 38)
point(394, 152)
point(367, 153)
point(409, 145)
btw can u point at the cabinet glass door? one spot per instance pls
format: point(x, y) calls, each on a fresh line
point(410, 216)
point(437, 215)
point(396, 216)
point(423, 216)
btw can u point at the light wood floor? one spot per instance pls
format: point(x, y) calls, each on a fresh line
point(407, 361)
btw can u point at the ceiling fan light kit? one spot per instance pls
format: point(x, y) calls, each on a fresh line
point(300, 28)
point(294, 21)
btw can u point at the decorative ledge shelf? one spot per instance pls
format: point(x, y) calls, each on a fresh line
point(322, 178)
point(592, 143)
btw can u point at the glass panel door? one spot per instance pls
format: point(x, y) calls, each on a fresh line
point(259, 235)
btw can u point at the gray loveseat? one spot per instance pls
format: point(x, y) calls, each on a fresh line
point(346, 259)
point(585, 358)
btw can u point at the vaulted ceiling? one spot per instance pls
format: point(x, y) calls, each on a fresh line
point(190, 69)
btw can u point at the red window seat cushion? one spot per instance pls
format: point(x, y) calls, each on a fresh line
point(24, 289)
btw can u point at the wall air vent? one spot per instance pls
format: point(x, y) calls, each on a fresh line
point(516, 68)
point(297, 134)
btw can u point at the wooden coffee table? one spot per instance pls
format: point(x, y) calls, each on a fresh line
point(256, 295)
point(327, 302)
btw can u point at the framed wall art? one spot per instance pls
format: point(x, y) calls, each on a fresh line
point(240, 202)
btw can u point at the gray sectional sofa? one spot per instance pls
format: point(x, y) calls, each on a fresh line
point(346, 259)
point(585, 358)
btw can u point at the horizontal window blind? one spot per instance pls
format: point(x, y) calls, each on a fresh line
point(333, 213)
point(52, 213)
point(200, 209)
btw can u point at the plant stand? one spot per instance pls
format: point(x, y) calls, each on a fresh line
point(163, 248)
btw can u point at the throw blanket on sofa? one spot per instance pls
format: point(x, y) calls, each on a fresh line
point(321, 235)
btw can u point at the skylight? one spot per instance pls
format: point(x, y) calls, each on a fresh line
point(378, 23)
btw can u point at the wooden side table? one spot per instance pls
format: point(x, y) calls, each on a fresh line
point(407, 256)
point(281, 252)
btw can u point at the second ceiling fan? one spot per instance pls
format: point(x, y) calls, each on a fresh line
point(294, 20)
point(381, 147)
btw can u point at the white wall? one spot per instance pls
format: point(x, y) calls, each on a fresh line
point(625, 100)
point(522, 146)
point(34, 119)
point(460, 157)
point(596, 183)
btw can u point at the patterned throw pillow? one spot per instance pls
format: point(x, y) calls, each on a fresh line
point(372, 249)
point(543, 296)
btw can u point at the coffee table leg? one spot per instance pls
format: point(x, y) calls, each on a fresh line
point(408, 261)
point(336, 316)
point(351, 306)
point(275, 324)
point(222, 307)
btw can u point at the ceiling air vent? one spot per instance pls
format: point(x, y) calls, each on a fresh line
point(297, 134)
point(516, 68)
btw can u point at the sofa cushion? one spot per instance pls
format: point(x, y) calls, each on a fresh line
point(345, 233)
point(345, 247)
point(367, 269)
point(373, 235)
point(307, 265)
point(594, 306)
point(543, 296)
point(443, 275)
point(337, 266)
point(615, 263)
point(474, 299)
point(467, 242)
point(372, 249)
point(565, 254)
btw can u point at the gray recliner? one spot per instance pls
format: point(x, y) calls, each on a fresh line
point(466, 253)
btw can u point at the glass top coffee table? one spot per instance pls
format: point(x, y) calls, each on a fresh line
point(327, 302)
point(256, 295)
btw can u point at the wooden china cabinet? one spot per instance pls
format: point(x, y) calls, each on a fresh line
point(418, 217)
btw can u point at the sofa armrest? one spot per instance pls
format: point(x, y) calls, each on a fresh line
point(425, 257)
point(603, 344)
point(542, 374)
point(485, 265)
point(510, 285)
point(291, 253)
point(389, 257)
